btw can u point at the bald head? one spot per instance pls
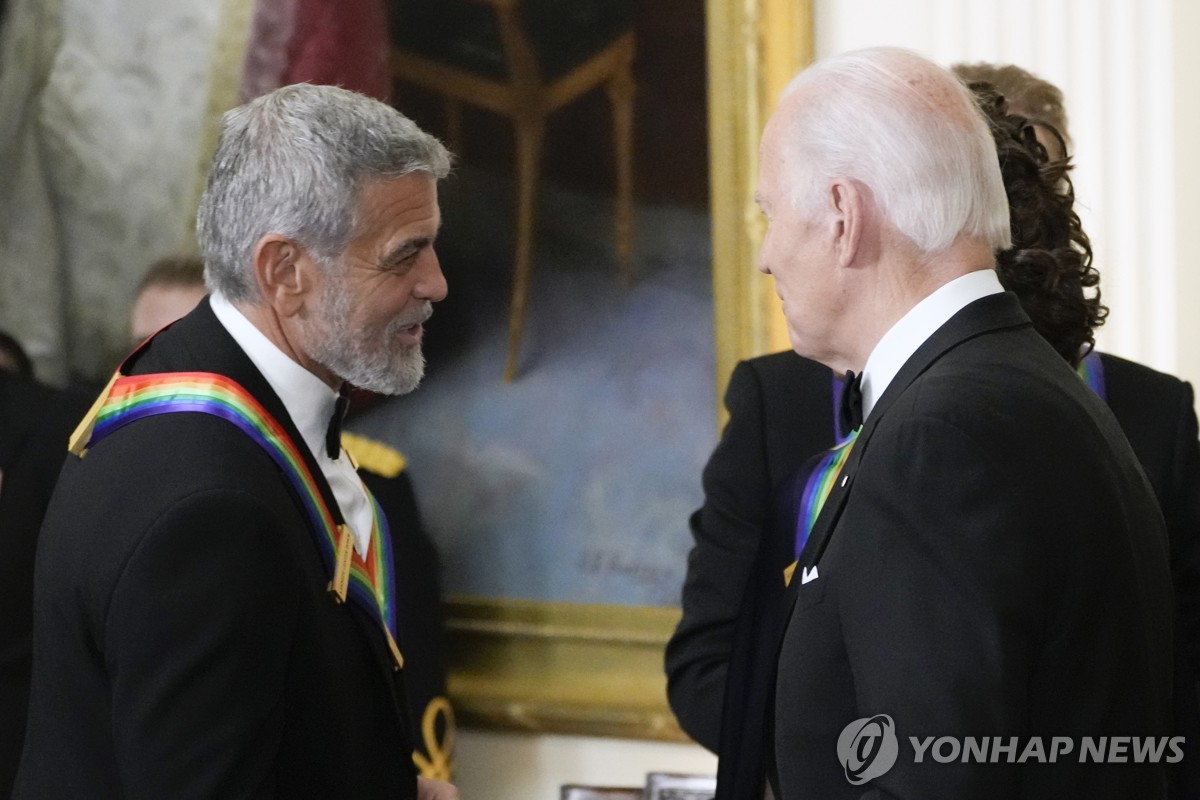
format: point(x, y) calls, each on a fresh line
point(906, 129)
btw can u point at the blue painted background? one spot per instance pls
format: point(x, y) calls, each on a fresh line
point(575, 482)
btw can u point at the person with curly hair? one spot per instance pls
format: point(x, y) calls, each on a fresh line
point(783, 409)
point(1049, 267)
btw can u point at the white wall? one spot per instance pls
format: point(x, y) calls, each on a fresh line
point(506, 766)
point(1186, 129)
point(1121, 65)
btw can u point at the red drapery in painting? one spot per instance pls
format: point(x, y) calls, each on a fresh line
point(343, 43)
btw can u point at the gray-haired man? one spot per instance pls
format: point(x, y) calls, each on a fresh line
point(214, 612)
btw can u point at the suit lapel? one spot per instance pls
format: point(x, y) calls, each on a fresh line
point(987, 314)
point(199, 342)
point(831, 511)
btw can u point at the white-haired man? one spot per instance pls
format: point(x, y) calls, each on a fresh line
point(989, 559)
point(215, 605)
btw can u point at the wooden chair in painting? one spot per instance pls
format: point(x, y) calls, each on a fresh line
point(525, 59)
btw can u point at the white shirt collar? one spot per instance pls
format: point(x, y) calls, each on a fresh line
point(921, 321)
point(309, 402)
point(308, 399)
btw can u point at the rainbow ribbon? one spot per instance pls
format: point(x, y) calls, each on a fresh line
point(370, 582)
point(818, 486)
point(828, 467)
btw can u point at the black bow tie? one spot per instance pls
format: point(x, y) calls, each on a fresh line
point(851, 413)
point(333, 436)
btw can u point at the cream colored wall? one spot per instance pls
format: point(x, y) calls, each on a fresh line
point(1128, 70)
point(1186, 151)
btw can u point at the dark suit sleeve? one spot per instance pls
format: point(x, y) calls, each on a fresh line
point(209, 585)
point(1180, 501)
point(936, 615)
point(35, 423)
point(1181, 508)
point(727, 531)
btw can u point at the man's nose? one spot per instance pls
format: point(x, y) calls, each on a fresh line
point(432, 285)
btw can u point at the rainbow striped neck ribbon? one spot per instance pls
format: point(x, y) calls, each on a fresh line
point(826, 469)
point(822, 470)
point(821, 478)
point(369, 582)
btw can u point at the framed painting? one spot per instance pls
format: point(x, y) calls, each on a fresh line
point(559, 501)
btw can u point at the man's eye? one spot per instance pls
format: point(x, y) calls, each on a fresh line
point(400, 263)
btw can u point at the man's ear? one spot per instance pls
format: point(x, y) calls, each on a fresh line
point(284, 273)
point(850, 210)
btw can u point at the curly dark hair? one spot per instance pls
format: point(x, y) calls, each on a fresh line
point(1049, 267)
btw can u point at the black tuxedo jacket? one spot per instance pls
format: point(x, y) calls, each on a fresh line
point(992, 562)
point(35, 423)
point(185, 644)
point(780, 415)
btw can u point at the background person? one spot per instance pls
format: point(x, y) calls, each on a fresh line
point(13, 358)
point(171, 287)
point(35, 423)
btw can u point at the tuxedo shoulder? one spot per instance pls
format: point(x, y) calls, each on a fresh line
point(152, 461)
point(162, 479)
point(1006, 397)
point(786, 390)
point(786, 367)
point(1120, 373)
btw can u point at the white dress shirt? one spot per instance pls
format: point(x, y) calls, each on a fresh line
point(921, 321)
point(309, 402)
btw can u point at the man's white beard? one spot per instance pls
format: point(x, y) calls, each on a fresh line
point(376, 363)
